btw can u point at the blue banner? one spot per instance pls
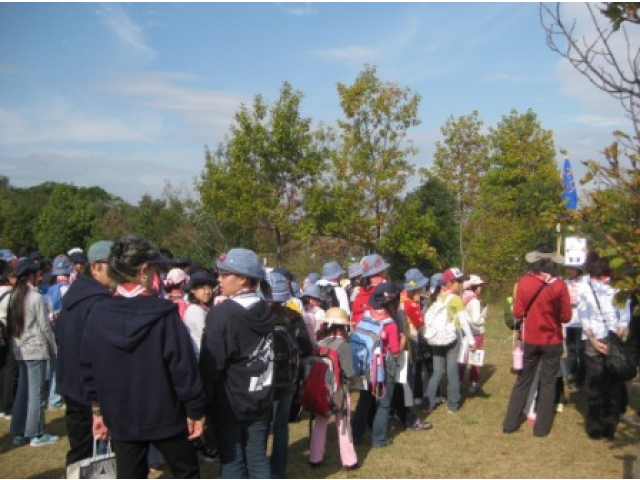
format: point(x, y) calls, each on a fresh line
point(570, 195)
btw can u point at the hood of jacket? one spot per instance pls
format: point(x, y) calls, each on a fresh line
point(127, 322)
point(82, 289)
point(258, 318)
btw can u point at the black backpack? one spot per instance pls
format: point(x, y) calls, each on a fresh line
point(328, 296)
point(286, 357)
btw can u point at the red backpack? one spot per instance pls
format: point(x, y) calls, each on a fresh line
point(361, 304)
point(321, 392)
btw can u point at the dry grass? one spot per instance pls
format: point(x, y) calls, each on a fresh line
point(469, 444)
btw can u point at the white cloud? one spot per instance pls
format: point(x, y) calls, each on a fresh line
point(305, 9)
point(207, 113)
point(63, 120)
point(127, 176)
point(125, 29)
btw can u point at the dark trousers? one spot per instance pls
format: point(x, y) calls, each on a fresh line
point(548, 357)
point(604, 396)
point(79, 422)
point(576, 373)
point(8, 383)
point(178, 452)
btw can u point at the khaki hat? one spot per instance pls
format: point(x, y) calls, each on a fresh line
point(336, 316)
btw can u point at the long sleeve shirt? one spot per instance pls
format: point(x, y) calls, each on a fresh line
point(547, 313)
point(600, 320)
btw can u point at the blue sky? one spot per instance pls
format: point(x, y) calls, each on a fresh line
point(127, 96)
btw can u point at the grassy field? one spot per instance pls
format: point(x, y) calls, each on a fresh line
point(469, 444)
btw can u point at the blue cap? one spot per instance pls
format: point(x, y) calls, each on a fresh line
point(355, 270)
point(373, 264)
point(99, 251)
point(242, 262)
point(279, 289)
point(312, 278)
point(332, 270)
point(414, 280)
point(312, 291)
point(435, 282)
point(61, 265)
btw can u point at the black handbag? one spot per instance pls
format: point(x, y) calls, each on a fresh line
point(618, 361)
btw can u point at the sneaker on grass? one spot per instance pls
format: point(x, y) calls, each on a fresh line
point(42, 440)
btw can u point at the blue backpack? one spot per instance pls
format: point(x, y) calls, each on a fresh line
point(366, 351)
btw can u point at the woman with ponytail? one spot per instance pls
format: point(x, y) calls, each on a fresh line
point(33, 345)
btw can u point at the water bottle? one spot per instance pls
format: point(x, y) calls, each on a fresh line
point(518, 355)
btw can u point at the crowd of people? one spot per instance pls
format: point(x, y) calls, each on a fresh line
point(171, 361)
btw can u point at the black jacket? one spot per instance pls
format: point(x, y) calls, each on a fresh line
point(234, 360)
point(138, 361)
point(76, 304)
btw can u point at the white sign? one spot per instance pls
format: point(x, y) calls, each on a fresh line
point(575, 251)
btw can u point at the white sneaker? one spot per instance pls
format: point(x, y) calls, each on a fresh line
point(45, 439)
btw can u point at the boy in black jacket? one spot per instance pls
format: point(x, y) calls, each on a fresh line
point(91, 286)
point(236, 369)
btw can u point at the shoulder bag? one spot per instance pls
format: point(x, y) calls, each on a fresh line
point(618, 360)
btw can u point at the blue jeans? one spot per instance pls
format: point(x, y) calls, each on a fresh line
point(31, 399)
point(55, 400)
point(445, 358)
point(280, 449)
point(381, 419)
point(243, 448)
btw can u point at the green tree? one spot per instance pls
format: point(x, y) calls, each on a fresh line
point(252, 186)
point(460, 161)
point(519, 198)
point(65, 221)
point(423, 231)
point(368, 158)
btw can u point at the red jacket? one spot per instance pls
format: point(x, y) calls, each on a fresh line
point(552, 308)
point(413, 313)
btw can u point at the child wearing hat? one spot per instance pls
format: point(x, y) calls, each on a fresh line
point(472, 288)
point(379, 311)
point(335, 335)
point(313, 314)
point(292, 321)
point(445, 357)
point(373, 274)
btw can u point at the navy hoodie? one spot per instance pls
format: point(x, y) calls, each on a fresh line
point(138, 362)
point(76, 304)
point(234, 360)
